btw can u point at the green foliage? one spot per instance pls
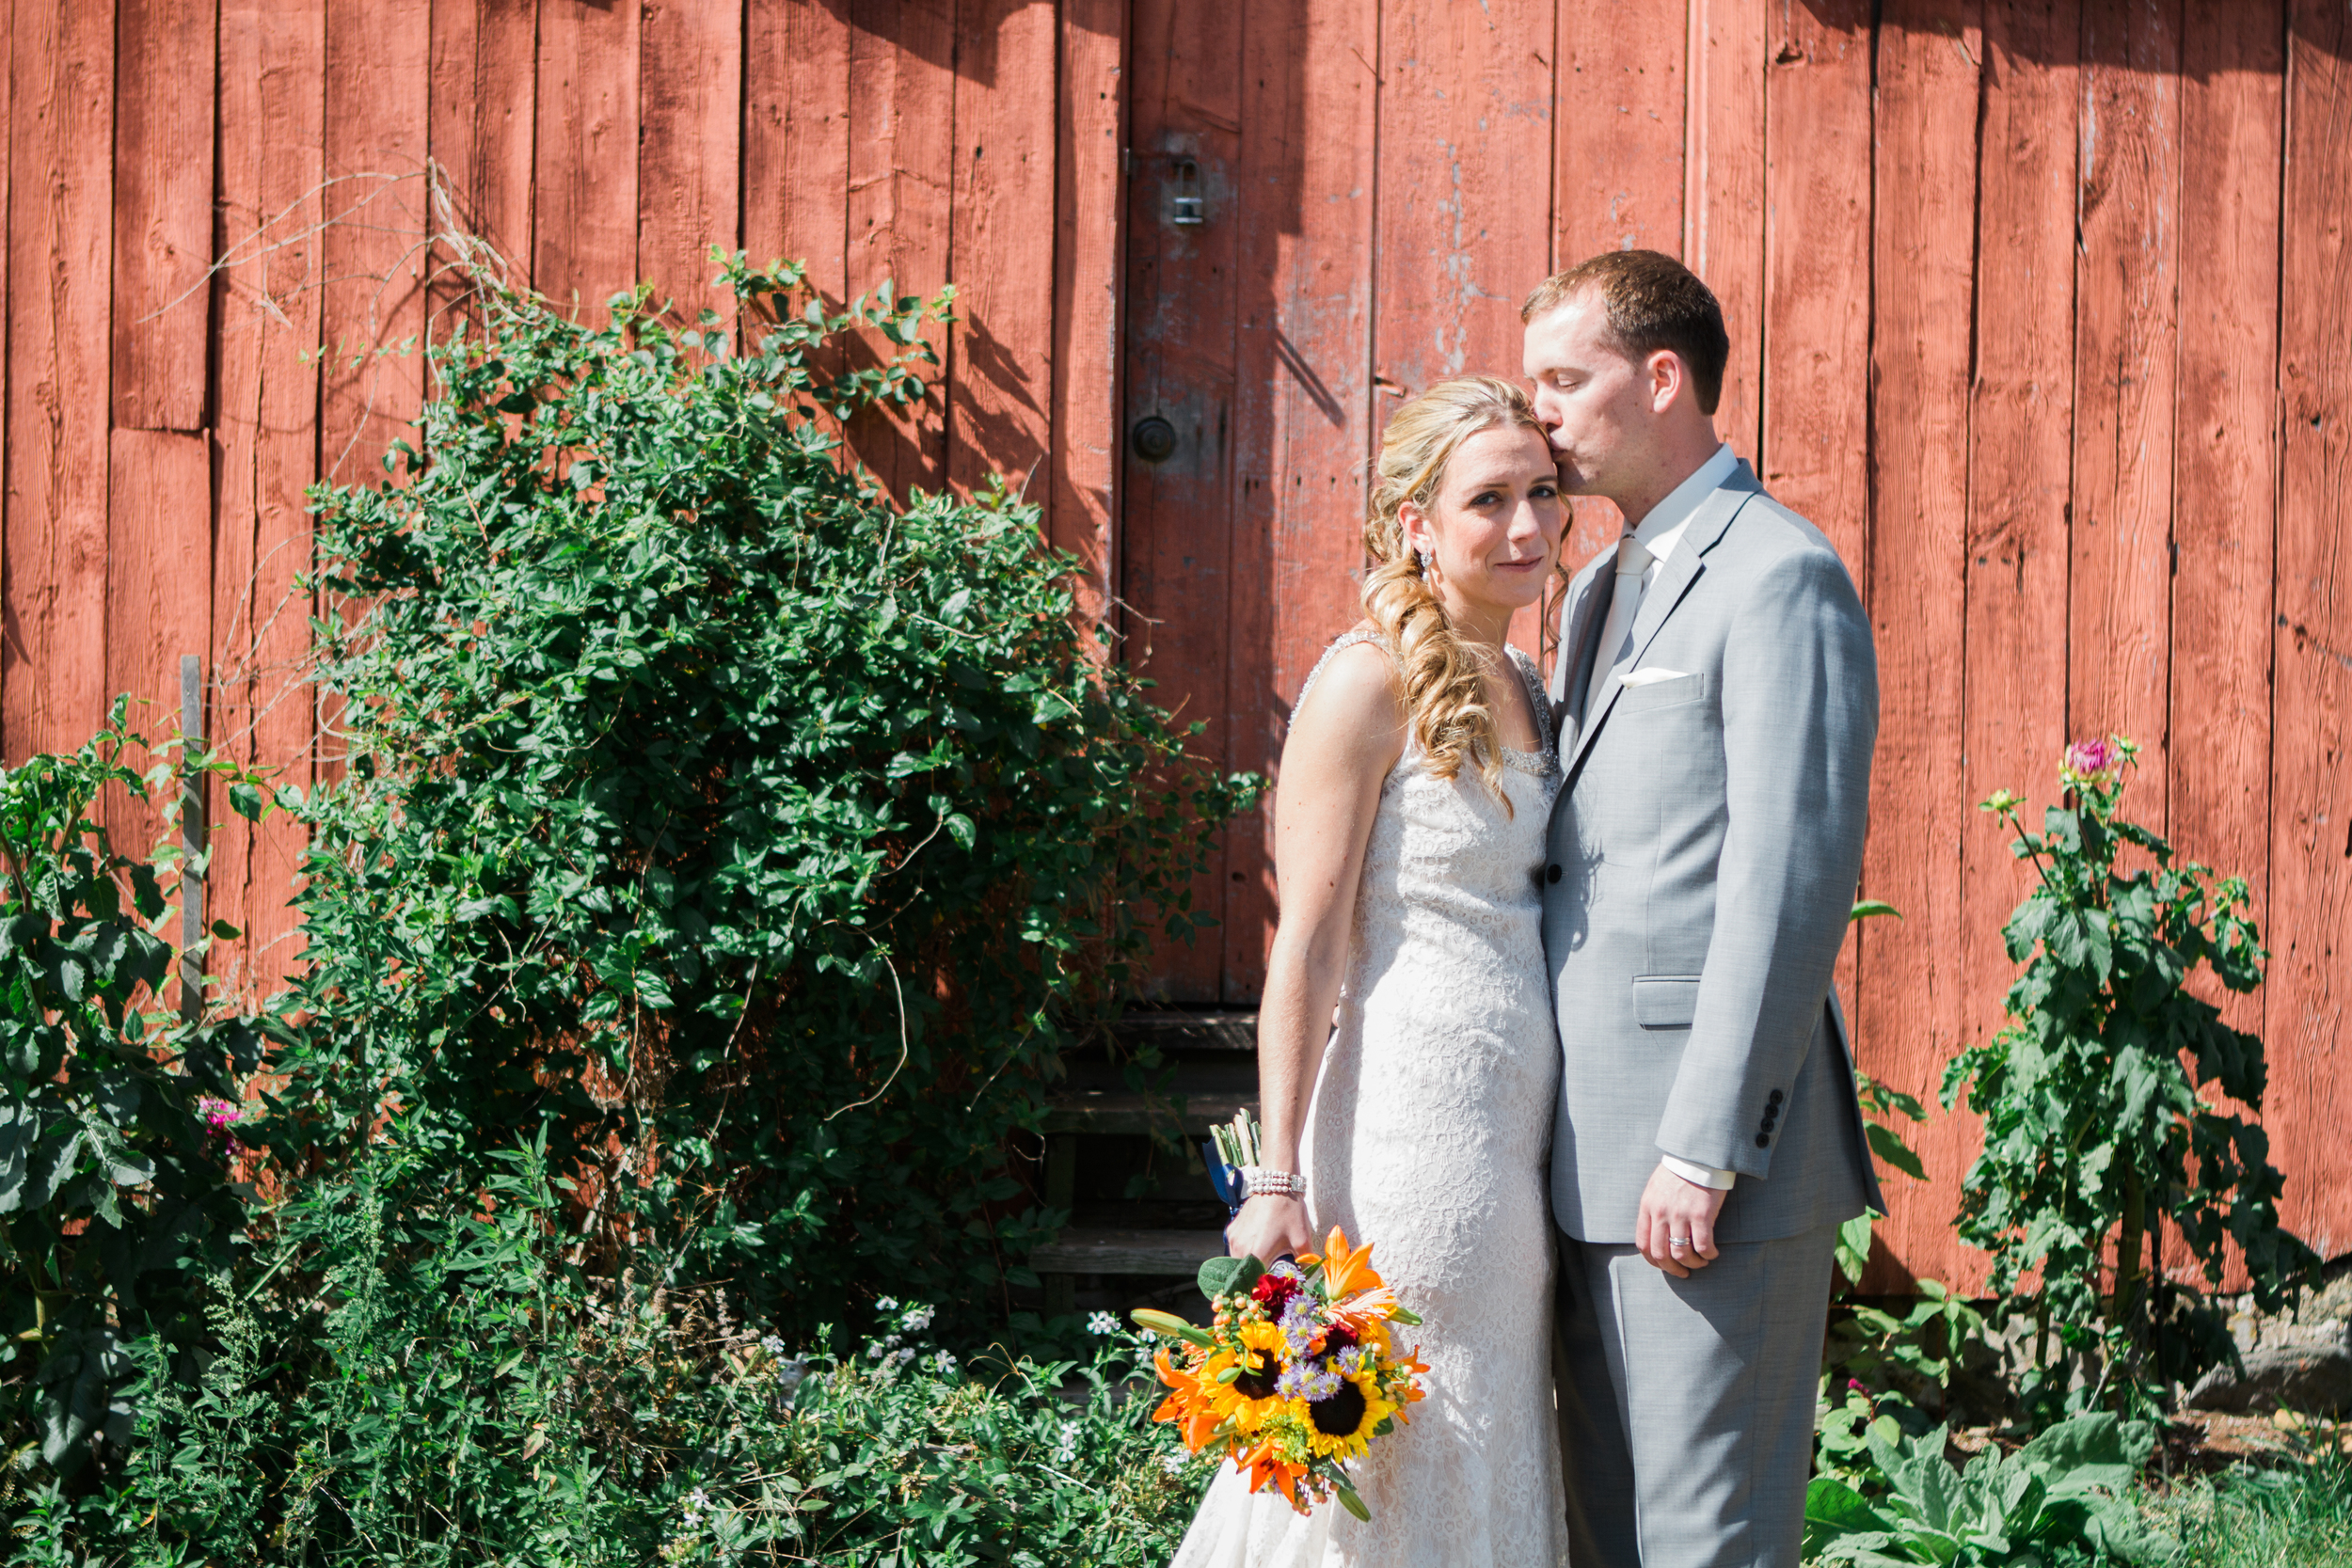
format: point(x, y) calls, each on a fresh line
point(113, 1190)
point(452, 1390)
point(2094, 1125)
point(2064, 1498)
point(751, 840)
point(1877, 1367)
point(1880, 1104)
point(2296, 1514)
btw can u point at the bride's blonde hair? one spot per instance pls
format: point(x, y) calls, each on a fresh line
point(1445, 692)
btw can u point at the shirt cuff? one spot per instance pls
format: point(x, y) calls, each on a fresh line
point(1719, 1180)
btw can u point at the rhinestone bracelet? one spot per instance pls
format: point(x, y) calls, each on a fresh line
point(1265, 1181)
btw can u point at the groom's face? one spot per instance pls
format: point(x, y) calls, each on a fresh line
point(1597, 402)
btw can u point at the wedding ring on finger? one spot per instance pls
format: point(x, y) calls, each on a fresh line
point(1681, 1242)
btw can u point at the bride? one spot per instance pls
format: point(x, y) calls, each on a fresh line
point(1415, 788)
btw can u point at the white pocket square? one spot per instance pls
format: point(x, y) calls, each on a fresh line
point(1651, 676)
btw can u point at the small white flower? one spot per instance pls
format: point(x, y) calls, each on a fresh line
point(905, 1355)
point(1066, 1447)
point(1174, 1462)
point(916, 1320)
point(945, 1363)
point(774, 1345)
point(876, 1350)
point(886, 1304)
point(697, 1503)
point(1103, 1323)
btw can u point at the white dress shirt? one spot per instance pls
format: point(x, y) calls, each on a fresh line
point(1660, 532)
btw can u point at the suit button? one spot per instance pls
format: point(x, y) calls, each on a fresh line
point(1772, 1098)
point(1551, 874)
point(1763, 1140)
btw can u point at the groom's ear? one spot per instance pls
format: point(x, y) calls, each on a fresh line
point(1669, 379)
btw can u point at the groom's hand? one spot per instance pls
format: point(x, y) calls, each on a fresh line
point(1673, 1207)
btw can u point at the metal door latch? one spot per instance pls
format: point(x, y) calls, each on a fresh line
point(1186, 207)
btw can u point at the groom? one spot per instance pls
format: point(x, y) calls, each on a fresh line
point(1717, 699)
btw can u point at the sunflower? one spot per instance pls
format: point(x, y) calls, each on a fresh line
point(1249, 1397)
point(1341, 1426)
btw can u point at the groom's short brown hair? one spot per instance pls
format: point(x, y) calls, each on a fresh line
point(1654, 302)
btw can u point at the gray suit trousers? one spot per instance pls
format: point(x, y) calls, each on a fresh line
point(1703, 1389)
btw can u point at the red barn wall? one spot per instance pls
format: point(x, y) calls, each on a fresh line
point(2039, 308)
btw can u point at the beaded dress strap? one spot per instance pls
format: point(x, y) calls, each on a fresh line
point(1345, 640)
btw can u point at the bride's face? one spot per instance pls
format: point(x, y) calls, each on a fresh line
point(1493, 529)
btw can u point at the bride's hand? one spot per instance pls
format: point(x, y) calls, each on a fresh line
point(1268, 1227)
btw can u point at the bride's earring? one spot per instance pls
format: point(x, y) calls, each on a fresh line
point(1426, 561)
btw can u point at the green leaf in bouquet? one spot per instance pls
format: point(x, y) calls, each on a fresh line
point(1350, 1501)
point(1222, 1276)
point(1408, 1318)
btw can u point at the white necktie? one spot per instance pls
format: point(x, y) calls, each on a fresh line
point(1634, 561)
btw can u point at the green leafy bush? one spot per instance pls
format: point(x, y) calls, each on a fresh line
point(758, 840)
point(114, 1183)
point(2064, 1498)
point(452, 1390)
point(2094, 1125)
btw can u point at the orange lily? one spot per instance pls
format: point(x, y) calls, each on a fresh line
point(1348, 1270)
point(1188, 1402)
point(1263, 1463)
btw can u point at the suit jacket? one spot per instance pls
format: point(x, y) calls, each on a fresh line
point(1702, 862)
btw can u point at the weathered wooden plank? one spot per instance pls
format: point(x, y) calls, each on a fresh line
point(1466, 142)
point(2225, 480)
point(2020, 462)
point(163, 195)
point(53, 662)
point(1302, 397)
point(378, 93)
point(1815, 406)
point(1911, 1007)
point(796, 139)
point(1622, 115)
point(690, 141)
point(902, 92)
point(1723, 197)
point(1145, 1251)
point(1175, 556)
point(1813, 448)
point(583, 236)
point(2127, 307)
point(1618, 179)
point(272, 65)
point(2311, 846)
point(1001, 235)
point(159, 584)
point(1090, 207)
point(483, 117)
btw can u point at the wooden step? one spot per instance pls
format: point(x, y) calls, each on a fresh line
point(1124, 1110)
point(1151, 1252)
point(1175, 1030)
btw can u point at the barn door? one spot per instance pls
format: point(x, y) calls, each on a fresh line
point(1247, 388)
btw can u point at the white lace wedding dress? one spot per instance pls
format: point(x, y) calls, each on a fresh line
point(1426, 1137)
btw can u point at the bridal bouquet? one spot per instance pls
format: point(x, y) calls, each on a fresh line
point(1297, 1374)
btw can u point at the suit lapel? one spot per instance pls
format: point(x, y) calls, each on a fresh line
point(1665, 594)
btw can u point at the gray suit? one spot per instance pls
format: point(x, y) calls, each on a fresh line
point(1703, 854)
